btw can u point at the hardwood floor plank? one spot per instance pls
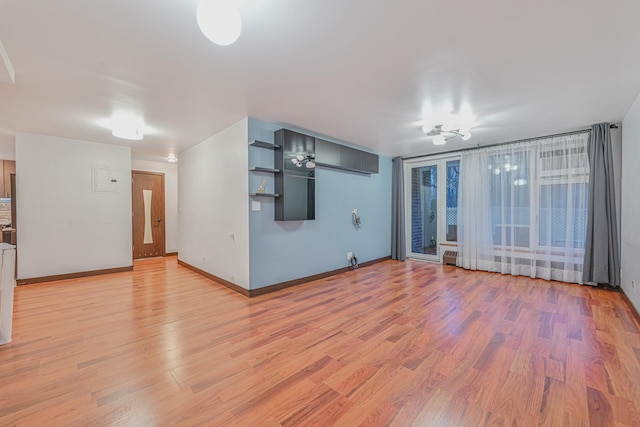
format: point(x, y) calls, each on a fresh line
point(266, 395)
point(383, 415)
point(435, 412)
point(489, 354)
point(571, 420)
point(396, 343)
point(553, 402)
point(600, 412)
point(318, 401)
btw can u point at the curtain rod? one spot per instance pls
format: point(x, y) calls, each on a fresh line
point(575, 132)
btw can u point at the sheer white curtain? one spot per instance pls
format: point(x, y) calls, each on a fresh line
point(523, 208)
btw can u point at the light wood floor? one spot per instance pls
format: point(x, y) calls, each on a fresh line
point(393, 344)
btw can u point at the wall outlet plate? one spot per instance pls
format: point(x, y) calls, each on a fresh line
point(349, 256)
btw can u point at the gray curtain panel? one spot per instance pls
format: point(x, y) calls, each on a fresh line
point(398, 238)
point(601, 257)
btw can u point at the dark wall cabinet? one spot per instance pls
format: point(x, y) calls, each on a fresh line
point(369, 162)
point(295, 158)
point(338, 156)
point(327, 153)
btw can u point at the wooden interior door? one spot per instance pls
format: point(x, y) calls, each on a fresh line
point(147, 189)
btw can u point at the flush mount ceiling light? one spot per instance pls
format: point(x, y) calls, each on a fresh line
point(441, 135)
point(127, 125)
point(446, 125)
point(307, 160)
point(172, 158)
point(219, 21)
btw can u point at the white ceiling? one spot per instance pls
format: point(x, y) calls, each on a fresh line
point(354, 70)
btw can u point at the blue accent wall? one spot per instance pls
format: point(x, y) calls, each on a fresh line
point(287, 250)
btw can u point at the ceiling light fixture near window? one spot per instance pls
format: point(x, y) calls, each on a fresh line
point(219, 21)
point(439, 139)
point(446, 125)
point(172, 158)
point(127, 125)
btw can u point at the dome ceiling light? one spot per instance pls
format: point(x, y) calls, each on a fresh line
point(127, 125)
point(219, 21)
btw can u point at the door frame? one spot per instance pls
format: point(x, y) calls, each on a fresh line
point(440, 161)
point(408, 166)
point(163, 213)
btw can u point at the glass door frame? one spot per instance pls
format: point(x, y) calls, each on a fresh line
point(440, 162)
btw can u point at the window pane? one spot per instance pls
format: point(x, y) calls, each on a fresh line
point(453, 178)
point(562, 225)
point(510, 202)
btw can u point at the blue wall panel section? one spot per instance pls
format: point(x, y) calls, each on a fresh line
point(289, 250)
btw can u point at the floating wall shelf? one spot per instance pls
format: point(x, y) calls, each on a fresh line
point(261, 169)
point(262, 144)
point(263, 195)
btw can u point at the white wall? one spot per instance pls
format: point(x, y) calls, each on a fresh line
point(64, 226)
point(213, 200)
point(170, 171)
point(630, 202)
point(7, 149)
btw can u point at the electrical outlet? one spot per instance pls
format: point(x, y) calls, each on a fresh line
point(349, 256)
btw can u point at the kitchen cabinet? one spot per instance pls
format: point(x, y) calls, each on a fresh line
point(7, 167)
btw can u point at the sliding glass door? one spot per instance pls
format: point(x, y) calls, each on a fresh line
point(431, 197)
